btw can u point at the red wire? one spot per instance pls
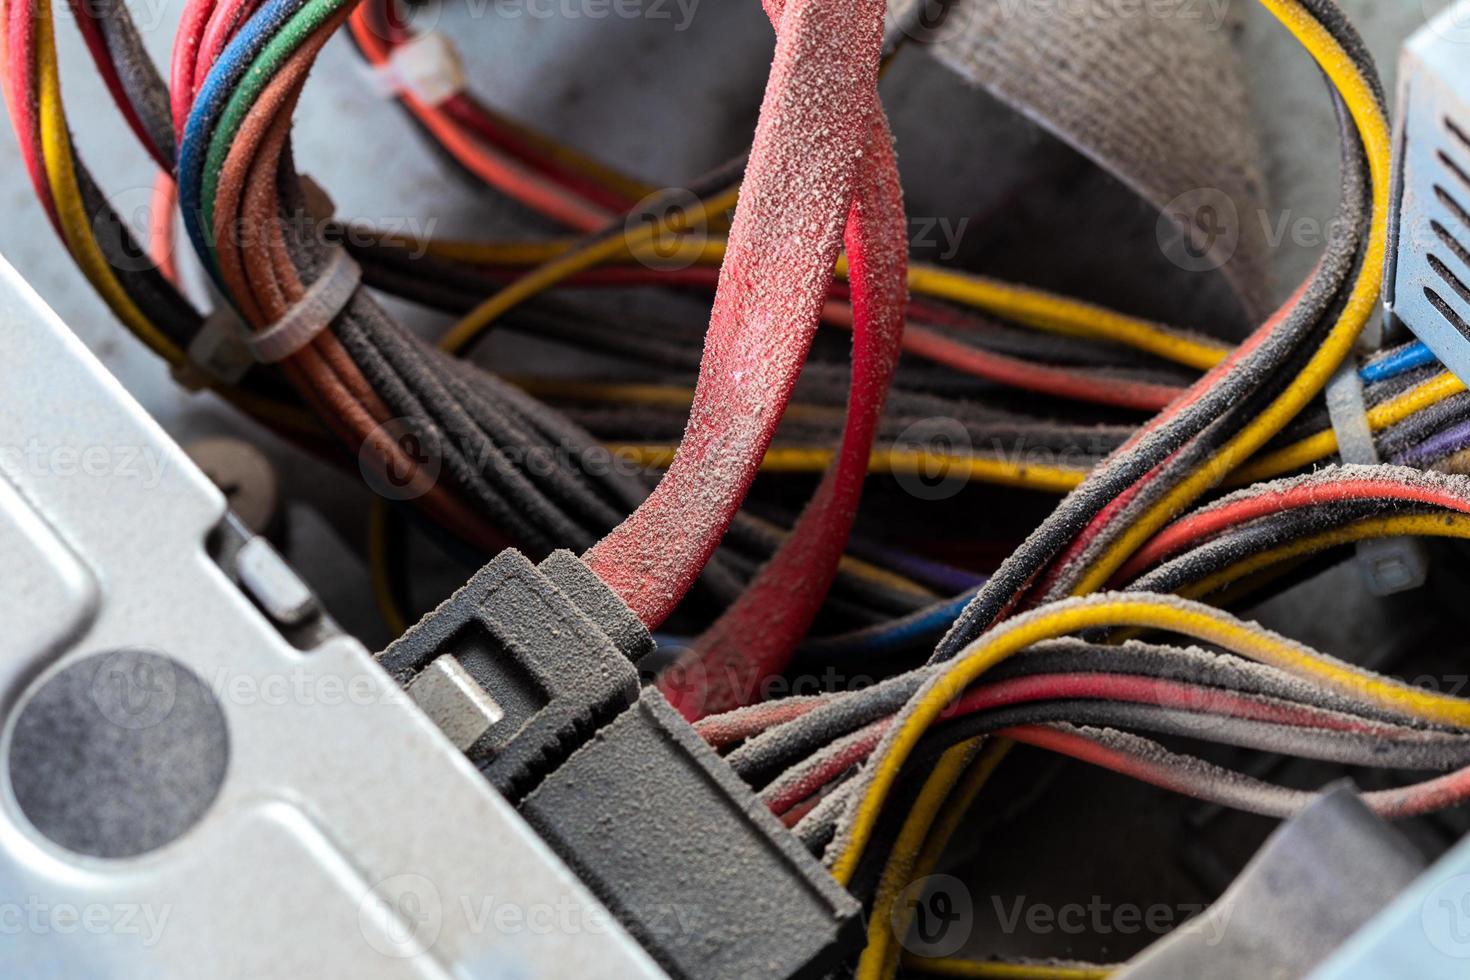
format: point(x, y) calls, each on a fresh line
point(777, 271)
point(472, 116)
point(223, 22)
point(1200, 526)
point(754, 638)
point(22, 86)
point(1109, 513)
point(102, 57)
point(510, 176)
point(1128, 688)
point(185, 57)
point(161, 226)
point(1392, 804)
point(1017, 373)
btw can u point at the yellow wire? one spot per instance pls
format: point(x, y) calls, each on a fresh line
point(975, 469)
point(393, 617)
point(1025, 305)
point(76, 225)
point(76, 231)
point(655, 395)
point(1443, 525)
point(1362, 303)
point(926, 829)
point(1069, 317)
point(1107, 610)
point(569, 264)
point(950, 966)
point(1323, 444)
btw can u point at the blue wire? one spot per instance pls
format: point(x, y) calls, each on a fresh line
point(213, 96)
point(1401, 361)
point(927, 624)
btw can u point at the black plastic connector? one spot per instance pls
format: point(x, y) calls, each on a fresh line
point(655, 823)
point(684, 854)
point(554, 674)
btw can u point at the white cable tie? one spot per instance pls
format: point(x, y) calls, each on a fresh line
point(313, 313)
point(427, 67)
point(1389, 565)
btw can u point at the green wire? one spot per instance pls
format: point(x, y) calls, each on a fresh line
point(265, 67)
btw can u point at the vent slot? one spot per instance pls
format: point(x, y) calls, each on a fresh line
point(1448, 311)
point(1451, 280)
point(1452, 243)
point(1454, 168)
point(1457, 132)
point(1454, 206)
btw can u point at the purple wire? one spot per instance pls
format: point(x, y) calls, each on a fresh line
point(1437, 446)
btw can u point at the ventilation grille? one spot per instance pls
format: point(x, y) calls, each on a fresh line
point(1429, 288)
point(1450, 257)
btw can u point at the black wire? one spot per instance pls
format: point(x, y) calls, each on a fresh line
point(1126, 469)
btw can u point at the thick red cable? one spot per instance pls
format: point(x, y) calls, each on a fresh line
point(754, 638)
point(778, 267)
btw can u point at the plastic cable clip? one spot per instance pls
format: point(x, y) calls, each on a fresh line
point(218, 352)
point(312, 314)
point(426, 67)
point(1390, 565)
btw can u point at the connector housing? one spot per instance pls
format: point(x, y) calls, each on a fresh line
point(651, 819)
